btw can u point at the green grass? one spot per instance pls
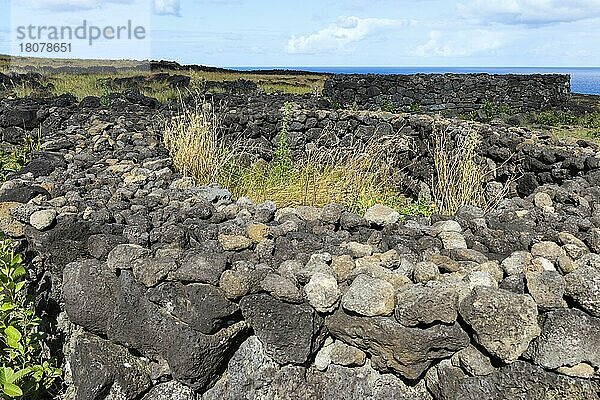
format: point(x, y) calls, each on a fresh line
point(83, 85)
point(565, 124)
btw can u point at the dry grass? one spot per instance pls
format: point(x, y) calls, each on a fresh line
point(193, 142)
point(459, 179)
point(355, 179)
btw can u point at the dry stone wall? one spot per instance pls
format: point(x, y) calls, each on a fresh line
point(458, 93)
point(159, 289)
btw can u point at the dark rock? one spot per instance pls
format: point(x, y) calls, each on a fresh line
point(90, 102)
point(568, 337)
point(100, 245)
point(200, 266)
point(417, 304)
point(89, 291)
point(24, 194)
point(291, 333)
point(203, 307)
point(104, 370)
point(583, 286)
point(517, 381)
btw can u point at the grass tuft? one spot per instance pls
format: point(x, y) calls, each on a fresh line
point(356, 180)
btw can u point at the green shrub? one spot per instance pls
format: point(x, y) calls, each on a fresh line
point(555, 118)
point(26, 371)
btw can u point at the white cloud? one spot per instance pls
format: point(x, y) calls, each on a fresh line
point(336, 36)
point(530, 12)
point(167, 7)
point(74, 5)
point(460, 43)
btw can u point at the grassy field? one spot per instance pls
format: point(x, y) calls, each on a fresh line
point(90, 84)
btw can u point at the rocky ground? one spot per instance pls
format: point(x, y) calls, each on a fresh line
point(156, 289)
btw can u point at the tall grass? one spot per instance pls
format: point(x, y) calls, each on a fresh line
point(355, 179)
point(459, 179)
point(192, 139)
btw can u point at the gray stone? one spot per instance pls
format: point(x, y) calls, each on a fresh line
point(453, 240)
point(282, 288)
point(291, 333)
point(322, 292)
point(200, 266)
point(594, 240)
point(234, 242)
point(418, 304)
point(99, 246)
point(568, 337)
point(342, 266)
point(195, 359)
point(123, 256)
point(152, 270)
point(381, 215)
point(581, 370)
point(445, 226)
point(583, 286)
point(407, 351)
point(171, 390)
point(547, 289)
point(543, 201)
point(518, 381)
point(369, 296)
point(473, 362)
point(235, 284)
point(480, 279)
point(549, 250)
point(342, 354)
point(425, 272)
point(503, 322)
point(89, 294)
point(203, 307)
point(317, 263)
point(445, 263)
point(42, 219)
point(516, 263)
point(252, 375)
point(101, 370)
point(358, 250)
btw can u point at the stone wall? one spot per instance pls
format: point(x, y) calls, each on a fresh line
point(162, 290)
point(458, 93)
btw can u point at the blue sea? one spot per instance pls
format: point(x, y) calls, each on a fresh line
point(583, 80)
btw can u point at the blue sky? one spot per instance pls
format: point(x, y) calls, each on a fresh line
point(331, 33)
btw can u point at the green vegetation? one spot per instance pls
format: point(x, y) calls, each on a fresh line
point(566, 124)
point(355, 181)
point(489, 112)
point(12, 161)
point(26, 371)
point(83, 84)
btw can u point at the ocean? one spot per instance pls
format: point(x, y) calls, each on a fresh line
point(583, 80)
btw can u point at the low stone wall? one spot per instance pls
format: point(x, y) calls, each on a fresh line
point(161, 290)
point(458, 93)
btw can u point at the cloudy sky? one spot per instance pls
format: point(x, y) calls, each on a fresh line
point(331, 32)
